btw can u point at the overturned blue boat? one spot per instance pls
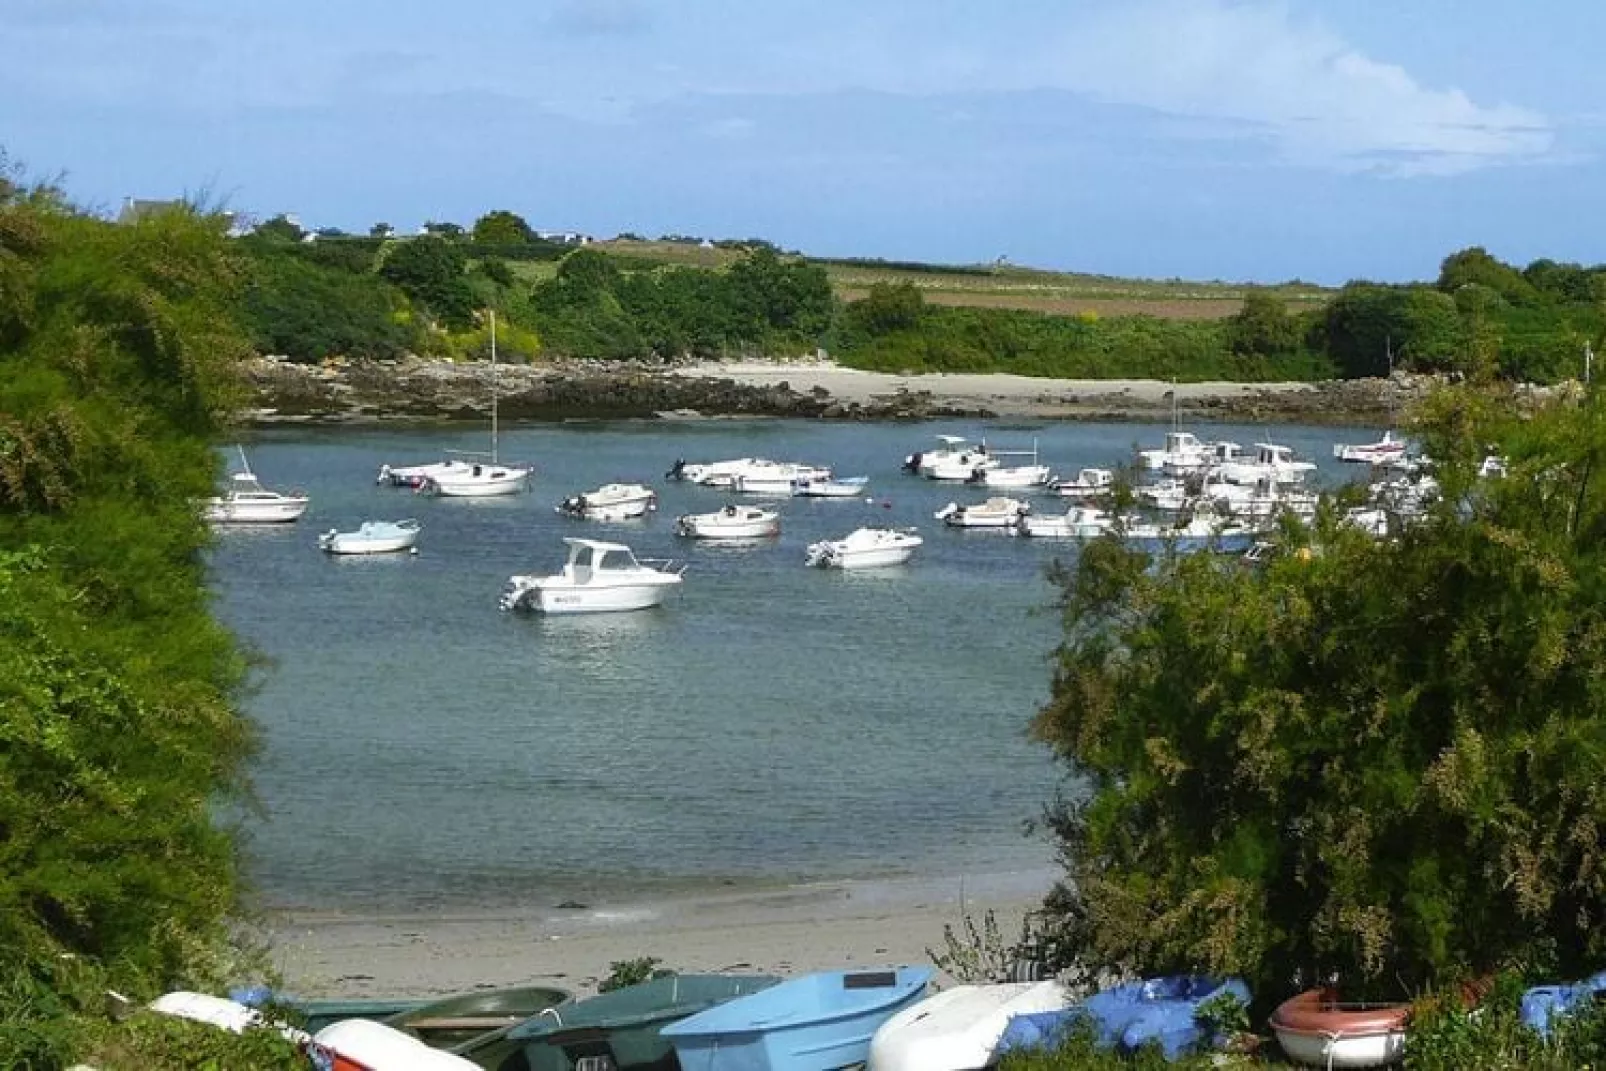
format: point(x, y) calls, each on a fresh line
point(814, 1023)
point(1127, 1017)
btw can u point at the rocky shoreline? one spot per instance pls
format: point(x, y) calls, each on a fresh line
point(419, 390)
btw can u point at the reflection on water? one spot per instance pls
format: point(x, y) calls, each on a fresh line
point(771, 722)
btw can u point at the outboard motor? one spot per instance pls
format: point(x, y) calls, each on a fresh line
point(677, 471)
point(912, 463)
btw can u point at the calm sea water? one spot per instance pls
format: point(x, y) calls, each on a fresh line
point(772, 724)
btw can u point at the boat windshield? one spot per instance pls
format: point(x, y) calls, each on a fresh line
point(615, 559)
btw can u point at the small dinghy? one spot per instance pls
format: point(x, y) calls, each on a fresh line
point(1127, 1017)
point(864, 548)
point(732, 522)
point(993, 513)
point(623, 1030)
point(846, 487)
point(958, 1029)
point(364, 1045)
point(611, 502)
point(819, 1022)
point(372, 537)
point(1314, 1028)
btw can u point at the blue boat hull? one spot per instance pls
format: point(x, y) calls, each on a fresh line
point(792, 1039)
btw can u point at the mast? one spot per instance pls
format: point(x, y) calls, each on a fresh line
point(493, 386)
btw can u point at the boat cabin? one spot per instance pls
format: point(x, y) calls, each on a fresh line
point(587, 557)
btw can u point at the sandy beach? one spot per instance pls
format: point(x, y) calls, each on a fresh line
point(1001, 393)
point(782, 931)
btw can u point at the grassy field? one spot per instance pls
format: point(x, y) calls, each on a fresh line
point(995, 286)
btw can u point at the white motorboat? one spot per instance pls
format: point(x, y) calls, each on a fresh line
point(248, 502)
point(1199, 532)
point(848, 487)
point(707, 471)
point(1386, 451)
point(1168, 496)
point(761, 477)
point(958, 1029)
point(1271, 461)
point(372, 537)
point(993, 513)
point(611, 502)
point(953, 446)
point(865, 548)
point(1089, 483)
point(1266, 498)
point(478, 479)
point(1182, 452)
point(1016, 476)
point(415, 475)
point(967, 465)
point(732, 522)
point(598, 577)
point(1078, 522)
point(1217, 453)
point(479, 476)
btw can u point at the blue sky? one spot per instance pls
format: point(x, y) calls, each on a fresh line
point(1234, 139)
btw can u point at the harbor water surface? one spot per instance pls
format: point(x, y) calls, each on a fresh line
point(770, 725)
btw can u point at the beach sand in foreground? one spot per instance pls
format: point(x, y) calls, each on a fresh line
point(783, 931)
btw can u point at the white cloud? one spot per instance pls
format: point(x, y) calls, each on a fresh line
point(1320, 101)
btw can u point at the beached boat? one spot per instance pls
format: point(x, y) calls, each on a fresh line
point(732, 522)
point(1078, 522)
point(1089, 483)
point(480, 476)
point(1125, 1018)
point(958, 1029)
point(621, 1030)
point(597, 578)
point(611, 502)
point(819, 1022)
point(248, 502)
point(1315, 1028)
point(843, 487)
point(1384, 451)
point(364, 1045)
point(993, 513)
point(372, 537)
point(223, 1013)
point(865, 548)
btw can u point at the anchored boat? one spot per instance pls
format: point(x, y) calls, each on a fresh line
point(372, 537)
point(865, 548)
point(248, 502)
point(993, 513)
point(611, 502)
point(732, 522)
point(597, 578)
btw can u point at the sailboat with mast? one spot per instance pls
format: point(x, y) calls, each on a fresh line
point(480, 475)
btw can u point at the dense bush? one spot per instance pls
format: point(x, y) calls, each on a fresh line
point(1381, 763)
point(118, 355)
point(307, 312)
